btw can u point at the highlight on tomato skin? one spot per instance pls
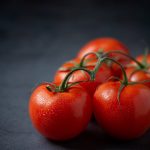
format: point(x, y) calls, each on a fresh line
point(60, 115)
point(105, 43)
point(127, 119)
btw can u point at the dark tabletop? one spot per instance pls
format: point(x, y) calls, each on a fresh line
point(36, 38)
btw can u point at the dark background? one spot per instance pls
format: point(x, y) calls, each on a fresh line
point(36, 37)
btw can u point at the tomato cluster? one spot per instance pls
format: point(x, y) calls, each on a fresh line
point(103, 80)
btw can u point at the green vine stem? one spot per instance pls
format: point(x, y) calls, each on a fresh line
point(102, 57)
point(64, 84)
point(124, 82)
point(144, 61)
point(92, 73)
point(102, 54)
point(98, 55)
point(99, 63)
point(130, 57)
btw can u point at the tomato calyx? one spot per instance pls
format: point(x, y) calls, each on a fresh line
point(52, 89)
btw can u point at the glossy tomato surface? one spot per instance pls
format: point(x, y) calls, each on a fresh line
point(106, 44)
point(138, 76)
point(128, 119)
point(60, 115)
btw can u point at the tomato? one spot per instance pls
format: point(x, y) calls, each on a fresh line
point(60, 115)
point(140, 59)
point(139, 75)
point(107, 44)
point(127, 120)
point(102, 75)
point(65, 69)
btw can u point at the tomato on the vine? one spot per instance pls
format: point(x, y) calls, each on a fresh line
point(107, 45)
point(127, 118)
point(137, 74)
point(104, 73)
point(142, 58)
point(65, 69)
point(60, 115)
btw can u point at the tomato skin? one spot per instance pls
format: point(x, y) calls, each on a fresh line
point(140, 59)
point(127, 120)
point(107, 44)
point(102, 75)
point(64, 70)
point(60, 116)
point(138, 76)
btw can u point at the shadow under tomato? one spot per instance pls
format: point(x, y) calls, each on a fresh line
point(95, 138)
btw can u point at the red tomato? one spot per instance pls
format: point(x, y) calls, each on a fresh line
point(140, 75)
point(140, 59)
point(107, 44)
point(60, 115)
point(127, 120)
point(65, 69)
point(102, 75)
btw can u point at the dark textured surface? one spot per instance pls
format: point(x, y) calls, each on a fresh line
point(36, 38)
